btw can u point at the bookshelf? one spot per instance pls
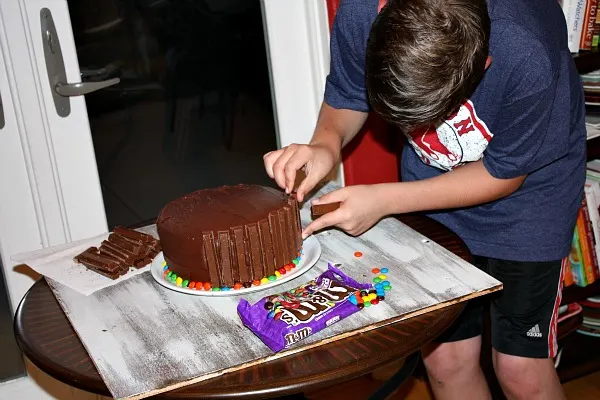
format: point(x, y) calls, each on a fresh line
point(574, 293)
point(580, 357)
point(587, 61)
point(581, 353)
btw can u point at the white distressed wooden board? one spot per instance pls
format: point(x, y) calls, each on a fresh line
point(146, 339)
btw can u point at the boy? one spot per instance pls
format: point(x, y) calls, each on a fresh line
point(492, 107)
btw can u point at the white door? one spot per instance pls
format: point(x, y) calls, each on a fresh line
point(50, 188)
point(206, 86)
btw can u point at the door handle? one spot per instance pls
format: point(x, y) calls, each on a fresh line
point(55, 67)
point(1, 113)
point(101, 73)
point(81, 88)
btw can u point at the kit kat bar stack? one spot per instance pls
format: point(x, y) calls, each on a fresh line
point(124, 248)
point(101, 263)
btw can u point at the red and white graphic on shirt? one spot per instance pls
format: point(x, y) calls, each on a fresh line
point(462, 138)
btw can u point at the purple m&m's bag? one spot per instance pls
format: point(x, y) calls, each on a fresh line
point(283, 319)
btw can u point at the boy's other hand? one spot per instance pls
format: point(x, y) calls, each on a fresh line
point(361, 208)
point(316, 159)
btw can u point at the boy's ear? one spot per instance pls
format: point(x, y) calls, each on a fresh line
point(488, 62)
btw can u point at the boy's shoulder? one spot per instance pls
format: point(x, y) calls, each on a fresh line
point(527, 32)
point(360, 5)
point(357, 15)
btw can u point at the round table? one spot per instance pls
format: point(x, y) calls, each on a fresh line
point(47, 338)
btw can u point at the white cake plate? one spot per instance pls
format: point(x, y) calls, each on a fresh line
point(311, 251)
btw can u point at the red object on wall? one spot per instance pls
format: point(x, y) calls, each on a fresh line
point(371, 157)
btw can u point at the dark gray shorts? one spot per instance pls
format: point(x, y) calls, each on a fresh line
point(523, 315)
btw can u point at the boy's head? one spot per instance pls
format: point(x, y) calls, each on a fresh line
point(424, 57)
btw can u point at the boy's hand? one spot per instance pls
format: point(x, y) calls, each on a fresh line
point(316, 159)
point(361, 208)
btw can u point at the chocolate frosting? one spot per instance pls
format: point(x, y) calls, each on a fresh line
point(230, 234)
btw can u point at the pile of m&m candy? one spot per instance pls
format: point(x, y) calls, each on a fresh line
point(172, 277)
point(380, 280)
point(364, 298)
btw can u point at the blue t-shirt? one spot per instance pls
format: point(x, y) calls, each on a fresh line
point(527, 116)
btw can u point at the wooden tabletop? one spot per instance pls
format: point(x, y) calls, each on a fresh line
point(47, 338)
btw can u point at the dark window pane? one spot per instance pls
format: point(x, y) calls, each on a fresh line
point(193, 109)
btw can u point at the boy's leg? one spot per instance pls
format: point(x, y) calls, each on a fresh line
point(452, 361)
point(527, 378)
point(524, 318)
point(454, 371)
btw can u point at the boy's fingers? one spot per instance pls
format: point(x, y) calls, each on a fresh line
point(307, 184)
point(338, 195)
point(269, 159)
point(280, 164)
point(329, 219)
point(293, 172)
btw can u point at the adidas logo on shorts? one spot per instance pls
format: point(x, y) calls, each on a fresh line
point(535, 332)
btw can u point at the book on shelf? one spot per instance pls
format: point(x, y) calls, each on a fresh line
point(591, 316)
point(596, 29)
point(581, 17)
point(583, 263)
point(576, 262)
point(592, 124)
point(587, 243)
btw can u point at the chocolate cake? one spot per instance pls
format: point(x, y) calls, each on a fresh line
point(231, 235)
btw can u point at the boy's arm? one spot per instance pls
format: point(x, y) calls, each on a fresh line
point(337, 127)
point(360, 207)
point(466, 186)
point(344, 108)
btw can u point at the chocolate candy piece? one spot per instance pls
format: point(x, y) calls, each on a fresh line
point(109, 249)
point(142, 262)
point(320, 209)
point(101, 263)
point(135, 235)
point(132, 247)
point(247, 284)
point(91, 258)
point(280, 320)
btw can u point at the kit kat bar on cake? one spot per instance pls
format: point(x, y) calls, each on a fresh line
point(318, 210)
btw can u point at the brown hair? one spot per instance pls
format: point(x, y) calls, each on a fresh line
point(424, 57)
